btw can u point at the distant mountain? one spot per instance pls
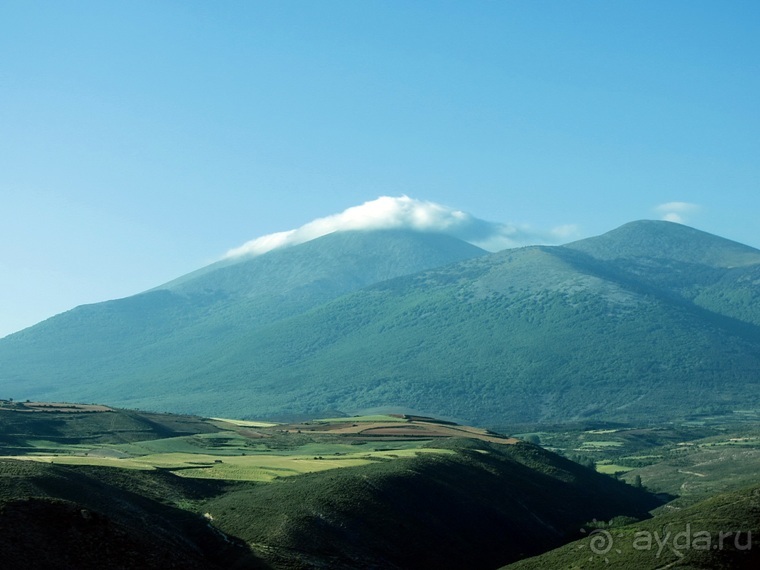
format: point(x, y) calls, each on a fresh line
point(77, 353)
point(668, 242)
point(715, 273)
point(652, 321)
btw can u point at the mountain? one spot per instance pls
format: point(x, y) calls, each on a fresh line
point(653, 320)
point(670, 243)
point(74, 353)
point(715, 273)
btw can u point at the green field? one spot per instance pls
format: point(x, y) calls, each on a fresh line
point(222, 449)
point(610, 468)
point(244, 423)
point(357, 419)
point(257, 467)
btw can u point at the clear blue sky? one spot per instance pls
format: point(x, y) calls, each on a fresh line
point(140, 140)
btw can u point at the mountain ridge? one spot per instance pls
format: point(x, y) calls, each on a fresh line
point(655, 238)
point(539, 333)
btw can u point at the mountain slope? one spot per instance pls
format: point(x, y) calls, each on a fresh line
point(715, 273)
point(119, 340)
point(531, 335)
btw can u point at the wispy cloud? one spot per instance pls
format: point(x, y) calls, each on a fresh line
point(403, 212)
point(676, 211)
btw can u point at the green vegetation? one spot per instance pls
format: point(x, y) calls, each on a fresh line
point(82, 518)
point(386, 491)
point(610, 468)
point(689, 461)
point(719, 533)
point(220, 449)
point(652, 320)
point(570, 346)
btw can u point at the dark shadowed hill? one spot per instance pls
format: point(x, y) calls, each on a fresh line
point(484, 505)
point(86, 518)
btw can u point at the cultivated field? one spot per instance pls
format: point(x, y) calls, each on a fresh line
point(240, 450)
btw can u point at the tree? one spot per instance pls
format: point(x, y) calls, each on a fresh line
point(533, 438)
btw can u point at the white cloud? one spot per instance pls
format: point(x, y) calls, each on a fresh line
point(566, 232)
point(407, 213)
point(676, 211)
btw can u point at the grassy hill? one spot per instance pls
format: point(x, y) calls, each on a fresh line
point(476, 508)
point(718, 533)
point(653, 320)
point(30, 426)
point(372, 492)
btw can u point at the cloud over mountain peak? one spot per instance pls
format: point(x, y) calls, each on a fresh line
point(403, 212)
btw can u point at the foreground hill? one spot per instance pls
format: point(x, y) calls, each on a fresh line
point(719, 533)
point(81, 518)
point(482, 504)
point(373, 492)
point(652, 320)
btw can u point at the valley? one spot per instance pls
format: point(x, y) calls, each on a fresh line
point(386, 491)
point(379, 491)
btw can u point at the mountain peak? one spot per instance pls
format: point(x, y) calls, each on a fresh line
point(402, 213)
point(353, 258)
point(668, 240)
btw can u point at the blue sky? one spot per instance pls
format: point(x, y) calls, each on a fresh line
point(141, 140)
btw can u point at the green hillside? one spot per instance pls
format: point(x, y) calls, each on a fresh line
point(653, 320)
point(719, 533)
point(531, 335)
point(78, 518)
point(108, 344)
point(372, 492)
point(484, 505)
point(711, 272)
